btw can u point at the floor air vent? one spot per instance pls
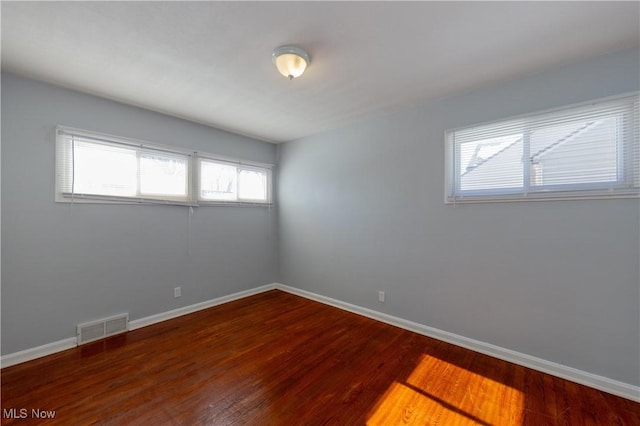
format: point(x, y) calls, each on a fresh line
point(96, 330)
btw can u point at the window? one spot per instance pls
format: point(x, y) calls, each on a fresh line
point(105, 168)
point(226, 181)
point(588, 151)
point(98, 168)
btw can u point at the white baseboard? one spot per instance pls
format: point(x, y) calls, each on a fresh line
point(605, 384)
point(38, 352)
point(164, 316)
point(61, 345)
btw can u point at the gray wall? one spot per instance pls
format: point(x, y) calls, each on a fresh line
point(64, 264)
point(361, 209)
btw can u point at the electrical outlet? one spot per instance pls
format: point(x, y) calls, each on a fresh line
point(177, 292)
point(381, 296)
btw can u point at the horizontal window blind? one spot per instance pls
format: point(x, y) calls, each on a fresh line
point(588, 150)
point(96, 167)
point(92, 167)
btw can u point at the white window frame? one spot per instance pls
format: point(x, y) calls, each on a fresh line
point(64, 192)
point(627, 185)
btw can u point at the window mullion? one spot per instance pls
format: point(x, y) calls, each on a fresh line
point(624, 152)
point(193, 180)
point(73, 166)
point(526, 161)
point(138, 174)
point(238, 183)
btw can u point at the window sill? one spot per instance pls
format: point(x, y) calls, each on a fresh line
point(540, 197)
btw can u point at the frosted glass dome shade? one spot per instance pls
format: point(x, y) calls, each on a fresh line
point(291, 61)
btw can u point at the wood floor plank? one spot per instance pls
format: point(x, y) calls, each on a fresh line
point(278, 359)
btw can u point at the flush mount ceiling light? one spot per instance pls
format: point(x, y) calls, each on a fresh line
point(291, 61)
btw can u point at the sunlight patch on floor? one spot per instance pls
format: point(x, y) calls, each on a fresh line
point(438, 392)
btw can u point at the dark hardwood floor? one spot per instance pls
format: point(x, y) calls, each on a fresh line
point(278, 359)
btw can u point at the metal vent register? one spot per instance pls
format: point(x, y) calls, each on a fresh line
point(99, 329)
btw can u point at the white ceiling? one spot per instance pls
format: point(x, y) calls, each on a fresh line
point(210, 62)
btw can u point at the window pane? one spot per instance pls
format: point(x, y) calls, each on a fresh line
point(580, 152)
point(488, 164)
point(163, 175)
point(218, 181)
point(104, 170)
point(252, 185)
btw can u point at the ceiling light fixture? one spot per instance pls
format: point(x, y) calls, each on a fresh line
point(291, 61)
